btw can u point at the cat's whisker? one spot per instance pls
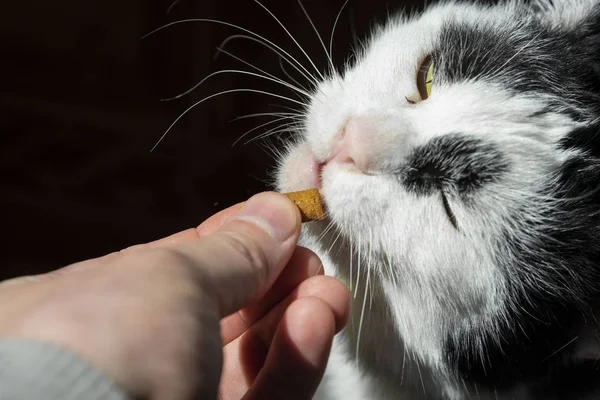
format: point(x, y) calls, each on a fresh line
point(339, 234)
point(259, 127)
point(173, 4)
point(298, 85)
point(289, 127)
point(353, 255)
point(350, 262)
point(283, 55)
point(300, 113)
point(310, 21)
point(343, 246)
point(294, 116)
point(288, 75)
point(325, 231)
point(275, 131)
point(277, 154)
point(237, 71)
point(190, 108)
point(362, 313)
point(319, 270)
point(273, 151)
point(337, 18)
point(255, 35)
point(334, 242)
point(404, 351)
point(388, 268)
point(286, 128)
point(418, 364)
point(355, 40)
point(516, 54)
point(560, 349)
point(291, 37)
point(328, 228)
point(358, 266)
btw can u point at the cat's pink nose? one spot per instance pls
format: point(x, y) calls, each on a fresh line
point(357, 144)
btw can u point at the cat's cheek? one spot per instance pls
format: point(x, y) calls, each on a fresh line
point(354, 201)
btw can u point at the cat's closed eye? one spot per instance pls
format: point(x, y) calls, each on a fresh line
point(449, 212)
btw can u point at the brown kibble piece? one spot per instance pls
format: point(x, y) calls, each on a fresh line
point(309, 203)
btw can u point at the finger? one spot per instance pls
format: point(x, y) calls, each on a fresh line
point(207, 227)
point(303, 265)
point(244, 358)
point(297, 358)
point(326, 288)
point(212, 224)
point(241, 260)
point(172, 240)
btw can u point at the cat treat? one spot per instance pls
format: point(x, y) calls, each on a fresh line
point(309, 204)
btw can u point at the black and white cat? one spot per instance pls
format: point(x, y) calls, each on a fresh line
point(459, 160)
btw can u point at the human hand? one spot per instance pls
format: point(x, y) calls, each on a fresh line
point(154, 317)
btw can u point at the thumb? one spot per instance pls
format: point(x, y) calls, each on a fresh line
point(242, 259)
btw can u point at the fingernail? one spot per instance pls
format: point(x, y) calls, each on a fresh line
point(273, 213)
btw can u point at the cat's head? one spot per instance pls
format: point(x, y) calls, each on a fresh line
point(459, 152)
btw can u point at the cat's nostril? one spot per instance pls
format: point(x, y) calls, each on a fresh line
point(341, 153)
point(352, 144)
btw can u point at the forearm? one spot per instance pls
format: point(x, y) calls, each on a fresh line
point(31, 370)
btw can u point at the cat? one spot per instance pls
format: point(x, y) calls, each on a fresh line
point(459, 161)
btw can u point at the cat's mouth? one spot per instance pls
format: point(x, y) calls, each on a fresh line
point(302, 171)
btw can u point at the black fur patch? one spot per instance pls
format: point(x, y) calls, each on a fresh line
point(553, 273)
point(578, 382)
point(526, 59)
point(552, 264)
point(455, 163)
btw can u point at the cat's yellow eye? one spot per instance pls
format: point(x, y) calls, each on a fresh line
point(425, 78)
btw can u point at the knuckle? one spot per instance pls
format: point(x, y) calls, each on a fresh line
point(170, 263)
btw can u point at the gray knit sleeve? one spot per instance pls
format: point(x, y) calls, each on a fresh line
point(34, 371)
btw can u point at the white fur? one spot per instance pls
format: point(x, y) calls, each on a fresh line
point(565, 14)
point(415, 276)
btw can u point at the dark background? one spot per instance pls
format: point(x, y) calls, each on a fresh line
point(80, 111)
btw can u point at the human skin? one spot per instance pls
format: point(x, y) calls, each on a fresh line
point(231, 309)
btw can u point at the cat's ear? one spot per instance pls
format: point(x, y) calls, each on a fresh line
point(567, 15)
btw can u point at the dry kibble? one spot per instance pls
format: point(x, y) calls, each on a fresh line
point(309, 203)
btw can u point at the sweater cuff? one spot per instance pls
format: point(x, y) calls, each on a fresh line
point(32, 370)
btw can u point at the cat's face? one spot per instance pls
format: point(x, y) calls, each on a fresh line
point(440, 184)
point(435, 184)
